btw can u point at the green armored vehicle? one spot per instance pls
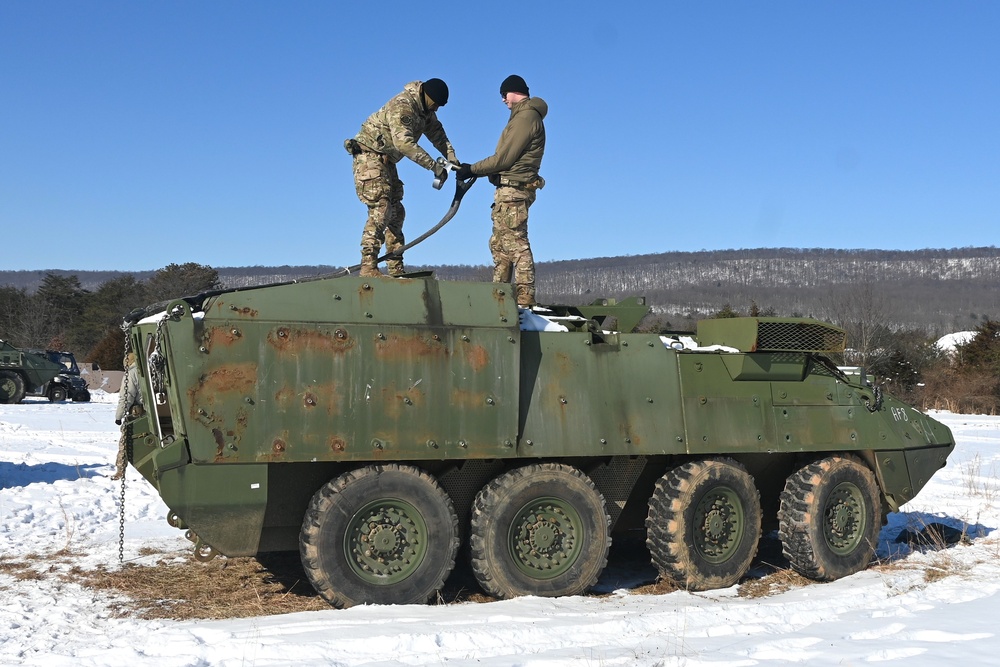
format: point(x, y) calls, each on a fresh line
point(377, 424)
point(23, 373)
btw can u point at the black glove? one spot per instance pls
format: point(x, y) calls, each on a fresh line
point(464, 172)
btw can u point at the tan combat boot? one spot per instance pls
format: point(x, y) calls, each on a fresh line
point(525, 296)
point(395, 267)
point(369, 266)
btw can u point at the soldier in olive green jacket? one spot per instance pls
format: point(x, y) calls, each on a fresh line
point(513, 169)
point(385, 138)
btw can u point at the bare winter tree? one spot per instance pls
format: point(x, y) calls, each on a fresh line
point(38, 325)
point(865, 313)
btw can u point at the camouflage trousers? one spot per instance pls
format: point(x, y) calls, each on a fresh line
point(512, 256)
point(379, 188)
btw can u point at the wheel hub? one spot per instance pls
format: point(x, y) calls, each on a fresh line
point(844, 523)
point(545, 538)
point(717, 525)
point(385, 541)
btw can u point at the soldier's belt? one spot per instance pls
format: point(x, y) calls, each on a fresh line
point(534, 184)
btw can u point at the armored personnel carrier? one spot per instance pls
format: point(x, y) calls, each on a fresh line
point(23, 373)
point(377, 424)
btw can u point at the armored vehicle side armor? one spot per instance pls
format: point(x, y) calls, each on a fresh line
point(375, 424)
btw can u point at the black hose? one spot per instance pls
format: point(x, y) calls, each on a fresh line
point(461, 187)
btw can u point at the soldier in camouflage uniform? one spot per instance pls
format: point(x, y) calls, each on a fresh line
point(513, 169)
point(385, 138)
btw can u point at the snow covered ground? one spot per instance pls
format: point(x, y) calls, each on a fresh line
point(56, 461)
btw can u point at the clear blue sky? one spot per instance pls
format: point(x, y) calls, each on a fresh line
point(136, 134)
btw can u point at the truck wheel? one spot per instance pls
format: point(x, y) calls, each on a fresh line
point(383, 534)
point(11, 387)
point(830, 518)
point(57, 393)
point(539, 530)
point(703, 525)
point(82, 396)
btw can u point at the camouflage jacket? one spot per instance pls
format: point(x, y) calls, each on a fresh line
point(395, 129)
point(518, 156)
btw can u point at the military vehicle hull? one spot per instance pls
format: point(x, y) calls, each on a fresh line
point(23, 373)
point(375, 424)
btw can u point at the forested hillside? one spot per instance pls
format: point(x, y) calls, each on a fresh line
point(936, 290)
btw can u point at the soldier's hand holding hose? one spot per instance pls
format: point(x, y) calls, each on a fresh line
point(464, 172)
point(440, 172)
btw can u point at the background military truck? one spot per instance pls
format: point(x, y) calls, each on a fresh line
point(33, 372)
point(68, 383)
point(23, 373)
point(377, 424)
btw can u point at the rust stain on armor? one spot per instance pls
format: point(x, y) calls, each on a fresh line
point(563, 363)
point(477, 356)
point(468, 400)
point(241, 378)
point(293, 341)
point(215, 389)
point(220, 336)
point(278, 448)
point(246, 311)
point(408, 347)
point(220, 444)
point(284, 396)
point(327, 398)
point(395, 401)
point(275, 450)
point(336, 444)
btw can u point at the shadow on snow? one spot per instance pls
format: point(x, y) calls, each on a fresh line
point(21, 474)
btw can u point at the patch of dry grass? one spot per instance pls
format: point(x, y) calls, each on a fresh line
point(190, 589)
point(20, 570)
point(774, 583)
point(658, 587)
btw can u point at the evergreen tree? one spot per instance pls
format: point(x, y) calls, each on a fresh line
point(178, 280)
point(982, 352)
point(104, 311)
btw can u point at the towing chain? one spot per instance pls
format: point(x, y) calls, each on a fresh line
point(124, 449)
point(877, 391)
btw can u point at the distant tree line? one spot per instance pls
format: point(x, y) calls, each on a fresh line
point(62, 315)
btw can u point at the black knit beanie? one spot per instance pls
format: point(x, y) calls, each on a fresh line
point(437, 90)
point(513, 84)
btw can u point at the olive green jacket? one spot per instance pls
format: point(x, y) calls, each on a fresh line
point(395, 129)
point(518, 156)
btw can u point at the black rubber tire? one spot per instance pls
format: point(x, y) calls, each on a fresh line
point(82, 396)
point(11, 387)
point(539, 530)
point(703, 526)
point(830, 518)
point(57, 393)
point(400, 508)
